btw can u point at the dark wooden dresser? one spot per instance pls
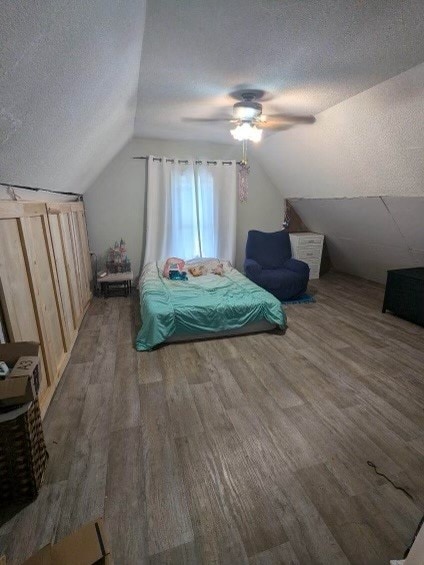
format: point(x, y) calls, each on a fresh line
point(404, 294)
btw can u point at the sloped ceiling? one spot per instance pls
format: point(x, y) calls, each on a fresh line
point(71, 82)
point(369, 145)
point(308, 54)
point(368, 236)
point(68, 87)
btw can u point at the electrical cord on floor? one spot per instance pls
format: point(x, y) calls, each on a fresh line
point(373, 465)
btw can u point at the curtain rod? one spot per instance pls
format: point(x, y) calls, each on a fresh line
point(36, 189)
point(186, 160)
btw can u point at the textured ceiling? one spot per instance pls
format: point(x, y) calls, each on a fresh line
point(369, 145)
point(309, 54)
point(69, 70)
point(68, 87)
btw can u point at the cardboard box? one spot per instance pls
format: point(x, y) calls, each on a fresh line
point(42, 557)
point(23, 382)
point(86, 546)
point(19, 390)
point(28, 366)
point(10, 352)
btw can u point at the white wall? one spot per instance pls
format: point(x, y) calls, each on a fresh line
point(369, 145)
point(115, 201)
point(368, 236)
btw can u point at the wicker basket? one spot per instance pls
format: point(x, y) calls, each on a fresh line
point(23, 454)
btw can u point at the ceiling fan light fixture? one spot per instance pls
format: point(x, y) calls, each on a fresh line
point(246, 132)
point(247, 110)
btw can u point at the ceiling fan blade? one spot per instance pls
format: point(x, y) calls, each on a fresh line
point(290, 118)
point(203, 120)
point(275, 126)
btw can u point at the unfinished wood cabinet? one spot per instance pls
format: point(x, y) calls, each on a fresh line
point(44, 280)
point(70, 245)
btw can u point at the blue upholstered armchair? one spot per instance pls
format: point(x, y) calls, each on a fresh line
point(269, 264)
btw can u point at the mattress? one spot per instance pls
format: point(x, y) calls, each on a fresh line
point(207, 306)
point(252, 328)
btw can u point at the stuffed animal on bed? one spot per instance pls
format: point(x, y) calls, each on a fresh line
point(218, 270)
point(196, 271)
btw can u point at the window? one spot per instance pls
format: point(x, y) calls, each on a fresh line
point(191, 209)
point(193, 219)
point(207, 217)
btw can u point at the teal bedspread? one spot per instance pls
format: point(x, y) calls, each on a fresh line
point(209, 303)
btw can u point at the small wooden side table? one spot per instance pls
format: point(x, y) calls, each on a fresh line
point(116, 284)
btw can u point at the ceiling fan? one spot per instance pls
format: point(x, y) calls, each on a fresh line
point(248, 119)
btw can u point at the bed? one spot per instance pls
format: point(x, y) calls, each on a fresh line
point(203, 307)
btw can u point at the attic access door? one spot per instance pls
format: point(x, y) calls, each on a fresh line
point(29, 290)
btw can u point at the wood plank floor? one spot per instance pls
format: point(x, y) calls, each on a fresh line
point(247, 450)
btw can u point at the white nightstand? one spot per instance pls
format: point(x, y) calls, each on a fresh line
point(307, 247)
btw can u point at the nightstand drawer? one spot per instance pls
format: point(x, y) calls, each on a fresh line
point(307, 241)
point(308, 253)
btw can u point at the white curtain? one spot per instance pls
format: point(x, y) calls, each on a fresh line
point(191, 209)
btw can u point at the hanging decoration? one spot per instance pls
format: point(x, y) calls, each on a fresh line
point(243, 184)
point(243, 175)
